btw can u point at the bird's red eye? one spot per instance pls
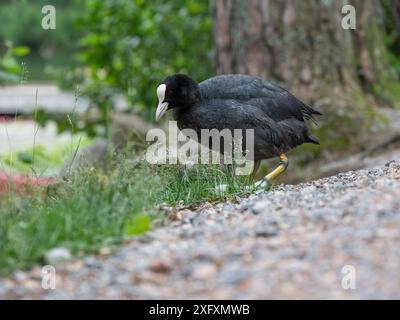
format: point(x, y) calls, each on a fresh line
point(169, 92)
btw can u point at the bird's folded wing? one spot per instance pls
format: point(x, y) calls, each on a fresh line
point(276, 102)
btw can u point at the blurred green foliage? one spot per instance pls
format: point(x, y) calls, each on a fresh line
point(21, 24)
point(10, 69)
point(129, 46)
point(20, 16)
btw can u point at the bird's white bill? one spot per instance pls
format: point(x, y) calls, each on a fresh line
point(161, 109)
point(162, 106)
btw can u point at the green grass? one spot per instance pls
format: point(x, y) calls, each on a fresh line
point(94, 209)
point(89, 211)
point(199, 184)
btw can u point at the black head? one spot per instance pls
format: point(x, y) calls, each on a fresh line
point(177, 91)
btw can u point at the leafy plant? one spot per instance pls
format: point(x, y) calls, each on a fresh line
point(10, 70)
point(129, 46)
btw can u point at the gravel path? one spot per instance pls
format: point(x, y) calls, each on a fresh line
point(289, 243)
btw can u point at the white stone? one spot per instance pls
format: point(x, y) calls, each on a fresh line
point(57, 255)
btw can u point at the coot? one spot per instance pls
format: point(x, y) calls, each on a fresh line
point(239, 101)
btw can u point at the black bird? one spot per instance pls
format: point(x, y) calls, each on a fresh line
point(240, 102)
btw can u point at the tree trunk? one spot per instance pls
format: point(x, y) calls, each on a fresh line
point(302, 46)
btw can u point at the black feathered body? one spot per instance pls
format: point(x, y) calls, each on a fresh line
point(246, 102)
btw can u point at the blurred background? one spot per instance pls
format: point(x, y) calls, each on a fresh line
point(90, 83)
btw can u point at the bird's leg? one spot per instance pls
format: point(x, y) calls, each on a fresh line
point(256, 165)
point(283, 164)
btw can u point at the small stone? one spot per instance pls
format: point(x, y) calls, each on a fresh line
point(221, 189)
point(159, 266)
point(57, 255)
point(20, 275)
point(204, 271)
point(259, 206)
point(387, 164)
point(266, 231)
point(105, 251)
point(92, 262)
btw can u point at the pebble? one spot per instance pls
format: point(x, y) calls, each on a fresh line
point(204, 271)
point(159, 266)
point(221, 189)
point(266, 231)
point(57, 255)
